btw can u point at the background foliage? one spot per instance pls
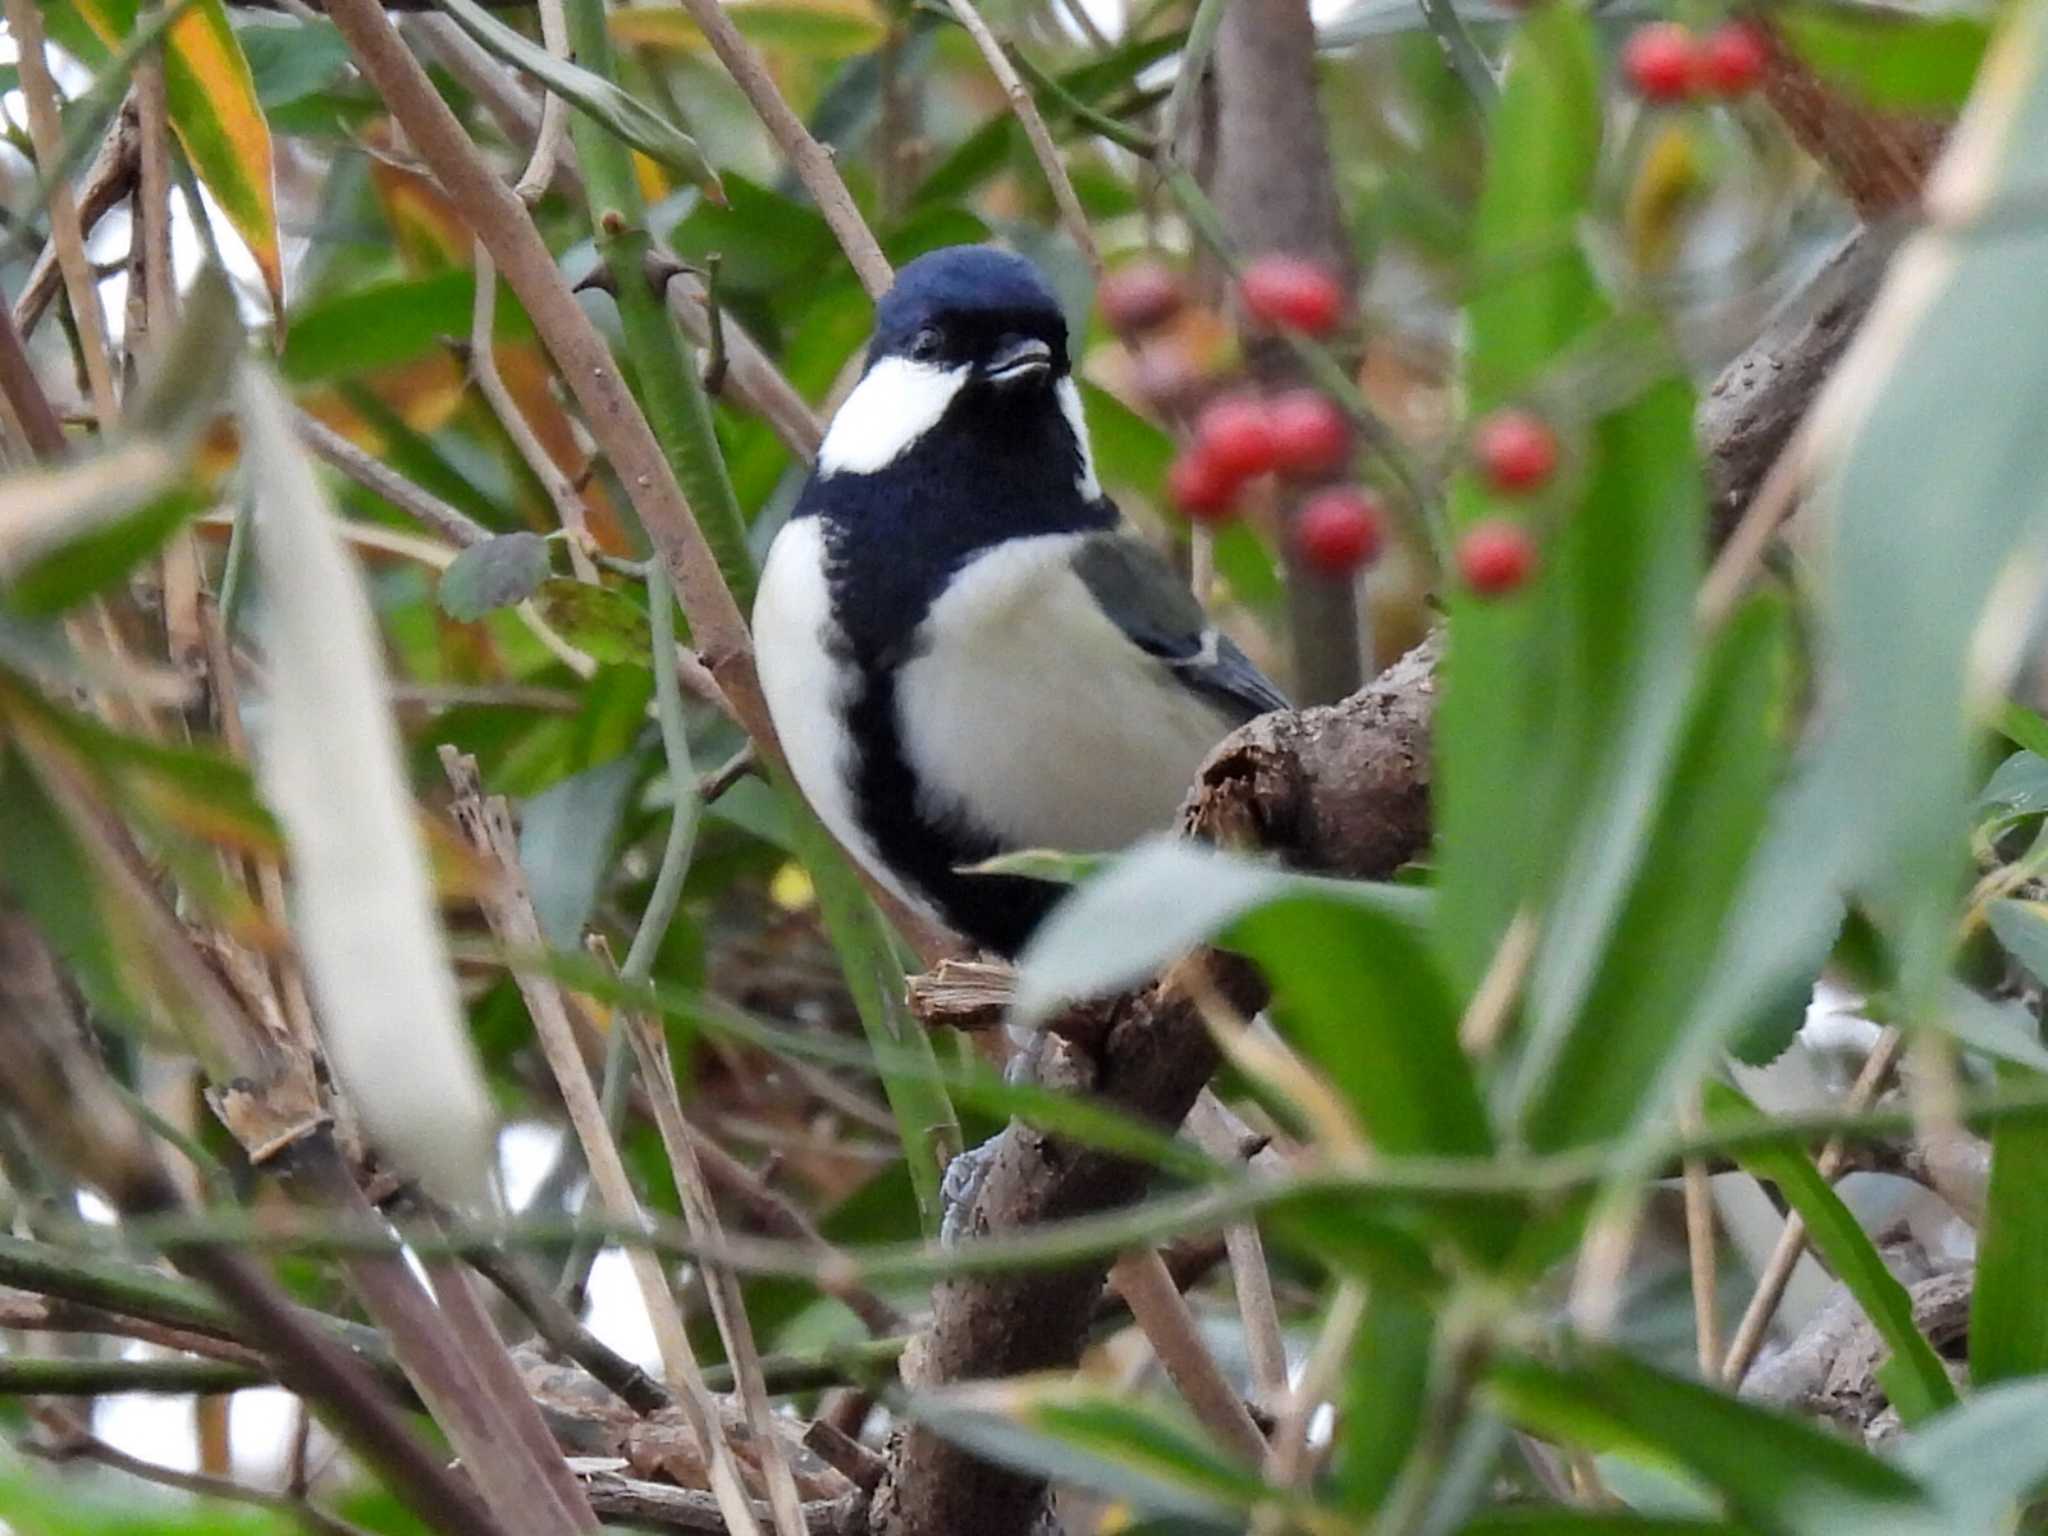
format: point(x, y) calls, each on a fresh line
point(1655, 1147)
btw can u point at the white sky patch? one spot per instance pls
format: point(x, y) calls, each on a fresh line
point(896, 402)
point(616, 1314)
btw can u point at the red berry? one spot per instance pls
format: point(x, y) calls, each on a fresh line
point(1339, 530)
point(1310, 434)
point(1731, 61)
point(1236, 435)
point(1292, 293)
point(1496, 556)
point(1140, 296)
point(1661, 61)
point(1200, 488)
point(1516, 451)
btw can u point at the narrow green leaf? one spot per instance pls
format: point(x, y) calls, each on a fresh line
point(2022, 927)
point(1917, 1382)
point(1779, 1473)
point(1588, 1073)
point(1387, 1390)
point(1507, 690)
point(1001, 1437)
point(2008, 1322)
point(1891, 59)
point(623, 114)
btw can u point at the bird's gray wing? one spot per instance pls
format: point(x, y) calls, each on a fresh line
point(1139, 592)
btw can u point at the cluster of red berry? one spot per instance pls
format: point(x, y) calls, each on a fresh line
point(1300, 434)
point(1665, 62)
point(1303, 435)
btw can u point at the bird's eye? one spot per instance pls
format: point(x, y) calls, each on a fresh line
point(924, 346)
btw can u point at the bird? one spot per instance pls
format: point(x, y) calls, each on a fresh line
point(963, 650)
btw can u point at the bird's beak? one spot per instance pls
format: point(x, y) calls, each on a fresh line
point(1017, 359)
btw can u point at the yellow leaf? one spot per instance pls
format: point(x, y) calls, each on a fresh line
point(828, 29)
point(210, 97)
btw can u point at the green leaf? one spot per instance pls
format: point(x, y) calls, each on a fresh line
point(1987, 1455)
point(48, 874)
point(382, 324)
point(1890, 59)
point(2004, 1031)
point(1780, 1474)
point(2017, 787)
point(602, 623)
point(497, 573)
point(1116, 1449)
point(1154, 903)
point(46, 514)
point(2022, 927)
point(2023, 728)
point(2008, 1323)
point(623, 114)
point(1501, 722)
point(1915, 1379)
point(1905, 657)
point(1590, 1066)
point(1387, 1393)
point(292, 58)
point(99, 558)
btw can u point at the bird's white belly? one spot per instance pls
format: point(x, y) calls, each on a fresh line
point(1030, 711)
point(803, 682)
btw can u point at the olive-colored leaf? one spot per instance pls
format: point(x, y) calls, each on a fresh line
point(494, 574)
point(604, 624)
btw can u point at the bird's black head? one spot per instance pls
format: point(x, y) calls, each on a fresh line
point(975, 308)
point(968, 384)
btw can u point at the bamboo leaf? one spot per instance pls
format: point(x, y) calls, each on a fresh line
point(210, 96)
point(619, 111)
point(331, 767)
point(1915, 1378)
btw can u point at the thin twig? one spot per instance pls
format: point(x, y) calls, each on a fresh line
point(1701, 1250)
point(77, 1444)
point(1250, 1278)
point(510, 911)
point(1043, 149)
point(1770, 1286)
point(107, 181)
point(372, 475)
point(580, 354)
point(1143, 1281)
point(58, 1376)
point(554, 112)
point(483, 367)
point(46, 129)
point(566, 1335)
point(810, 160)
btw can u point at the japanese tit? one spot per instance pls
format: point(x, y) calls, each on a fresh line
point(963, 653)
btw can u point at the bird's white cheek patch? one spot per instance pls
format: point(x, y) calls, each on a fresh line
point(1070, 407)
point(896, 402)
